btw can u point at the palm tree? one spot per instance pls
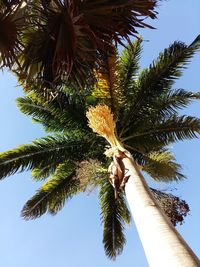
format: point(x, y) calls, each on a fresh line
point(53, 41)
point(145, 109)
point(12, 22)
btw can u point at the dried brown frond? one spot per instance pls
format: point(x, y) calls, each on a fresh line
point(116, 20)
point(59, 45)
point(175, 208)
point(11, 26)
point(68, 39)
point(88, 172)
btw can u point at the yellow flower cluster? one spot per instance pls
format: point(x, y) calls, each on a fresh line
point(101, 121)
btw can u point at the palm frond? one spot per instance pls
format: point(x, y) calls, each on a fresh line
point(41, 173)
point(51, 197)
point(67, 39)
point(114, 214)
point(56, 115)
point(158, 79)
point(161, 166)
point(163, 107)
point(169, 104)
point(12, 23)
point(161, 74)
point(107, 88)
point(170, 130)
point(52, 42)
point(129, 67)
point(43, 152)
point(117, 19)
point(38, 112)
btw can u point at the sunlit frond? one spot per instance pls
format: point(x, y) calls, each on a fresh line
point(43, 172)
point(161, 166)
point(52, 195)
point(107, 88)
point(56, 115)
point(43, 152)
point(167, 131)
point(157, 80)
point(169, 104)
point(137, 112)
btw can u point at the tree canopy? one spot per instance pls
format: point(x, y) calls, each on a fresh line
point(54, 41)
point(71, 158)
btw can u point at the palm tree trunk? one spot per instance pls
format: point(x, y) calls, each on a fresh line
point(163, 245)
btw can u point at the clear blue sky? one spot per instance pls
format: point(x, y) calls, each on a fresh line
point(74, 236)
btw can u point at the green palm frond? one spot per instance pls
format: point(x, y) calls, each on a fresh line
point(161, 166)
point(170, 103)
point(162, 107)
point(41, 173)
point(44, 151)
point(163, 72)
point(51, 197)
point(170, 130)
point(144, 106)
point(158, 79)
point(129, 67)
point(39, 113)
point(114, 213)
point(56, 115)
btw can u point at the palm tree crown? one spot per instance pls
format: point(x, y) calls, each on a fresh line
point(51, 41)
point(145, 109)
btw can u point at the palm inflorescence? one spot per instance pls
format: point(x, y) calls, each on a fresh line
point(72, 159)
